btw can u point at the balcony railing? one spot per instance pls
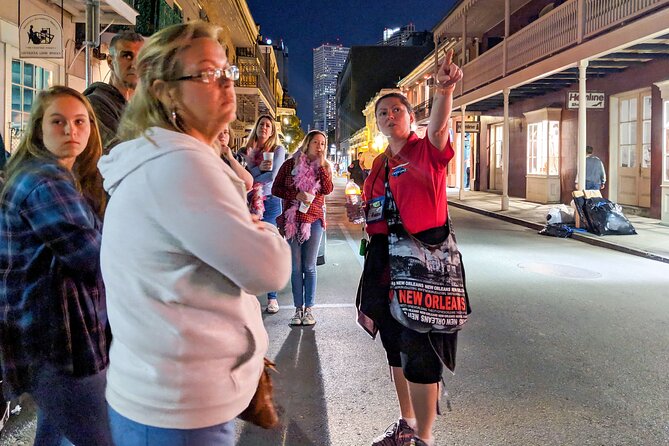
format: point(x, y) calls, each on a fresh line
point(251, 75)
point(551, 34)
point(543, 37)
point(603, 14)
point(483, 69)
point(422, 110)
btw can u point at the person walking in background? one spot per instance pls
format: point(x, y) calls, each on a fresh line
point(595, 175)
point(231, 159)
point(264, 158)
point(53, 314)
point(302, 183)
point(415, 169)
point(109, 100)
point(181, 255)
point(356, 173)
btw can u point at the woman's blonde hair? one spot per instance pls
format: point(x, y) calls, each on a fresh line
point(253, 136)
point(304, 145)
point(159, 60)
point(86, 176)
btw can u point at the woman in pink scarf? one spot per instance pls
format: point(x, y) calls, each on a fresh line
point(302, 183)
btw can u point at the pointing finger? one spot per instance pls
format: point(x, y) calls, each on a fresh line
point(449, 57)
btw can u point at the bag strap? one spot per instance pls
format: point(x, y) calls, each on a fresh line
point(392, 211)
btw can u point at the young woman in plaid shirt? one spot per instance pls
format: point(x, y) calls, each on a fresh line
point(304, 180)
point(53, 316)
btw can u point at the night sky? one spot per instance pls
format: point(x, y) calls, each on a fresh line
point(304, 25)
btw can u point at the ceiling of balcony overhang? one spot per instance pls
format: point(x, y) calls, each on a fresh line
point(117, 12)
point(615, 62)
point(233, 18)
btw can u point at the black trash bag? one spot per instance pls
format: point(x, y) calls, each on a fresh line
point(557, 230)
point(606, 217)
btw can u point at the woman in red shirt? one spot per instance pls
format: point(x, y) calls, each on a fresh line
point(302, 183)
point(417, 179)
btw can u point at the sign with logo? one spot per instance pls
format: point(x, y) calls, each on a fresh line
point(470, 127)
point(41, 36)
point(594, 99)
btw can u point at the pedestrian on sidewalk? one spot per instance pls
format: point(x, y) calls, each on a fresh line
point(53, 317)
point(303, 182)
point(263, 144)
point(110, 99)
point(417, 181)
point(182, 257)
point(230, 157)
point(595, 174)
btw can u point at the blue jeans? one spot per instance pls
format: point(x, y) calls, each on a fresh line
point(303, 277)
point(272, 210)
point(591, 185)
point(130, 433)
point(70, 408)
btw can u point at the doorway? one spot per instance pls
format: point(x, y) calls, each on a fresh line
point(496, 141)
point(633, 151)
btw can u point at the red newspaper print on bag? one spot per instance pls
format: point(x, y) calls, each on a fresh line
point(427, 289)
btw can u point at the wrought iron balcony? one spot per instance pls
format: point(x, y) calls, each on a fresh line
point(553, 33)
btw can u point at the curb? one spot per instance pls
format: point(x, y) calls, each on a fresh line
point(591, 240)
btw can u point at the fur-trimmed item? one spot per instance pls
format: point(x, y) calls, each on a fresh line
point(305, 179)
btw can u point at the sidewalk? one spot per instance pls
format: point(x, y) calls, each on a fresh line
point(651, 240)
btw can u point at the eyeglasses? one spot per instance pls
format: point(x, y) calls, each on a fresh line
point(230, 72)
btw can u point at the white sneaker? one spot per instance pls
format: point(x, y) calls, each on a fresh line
point(297, 317)
point(272, 306)
point(308, 317)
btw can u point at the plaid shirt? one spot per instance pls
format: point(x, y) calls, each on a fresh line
point(284, 187)
point(52, 304)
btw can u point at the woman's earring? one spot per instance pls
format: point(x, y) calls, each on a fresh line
point(175, 120)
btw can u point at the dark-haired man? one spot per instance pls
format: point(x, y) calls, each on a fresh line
point(109, 100)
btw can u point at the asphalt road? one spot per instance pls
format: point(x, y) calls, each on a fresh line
point(567, 345)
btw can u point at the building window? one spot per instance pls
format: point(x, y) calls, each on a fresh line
point(543, 142)
point(665, 140)
point(632, 150)
point(27, 81)
point(543, 148)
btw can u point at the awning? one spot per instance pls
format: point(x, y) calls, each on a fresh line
point(117, 12)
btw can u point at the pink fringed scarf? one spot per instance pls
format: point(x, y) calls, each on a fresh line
point(256, 197)
point(305, 179)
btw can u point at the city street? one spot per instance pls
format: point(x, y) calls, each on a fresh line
point(567, 345)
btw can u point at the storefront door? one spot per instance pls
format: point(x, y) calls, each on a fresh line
point(634, 119)
point(496, 141)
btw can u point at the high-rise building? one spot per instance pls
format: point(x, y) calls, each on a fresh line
point(405, 36)
point(328, 62)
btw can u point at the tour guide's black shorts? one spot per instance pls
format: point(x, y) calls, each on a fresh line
point(419, 354)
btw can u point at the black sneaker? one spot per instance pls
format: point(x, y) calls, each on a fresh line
point(397, 434)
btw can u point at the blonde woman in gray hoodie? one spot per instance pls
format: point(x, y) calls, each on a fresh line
point(182, 257)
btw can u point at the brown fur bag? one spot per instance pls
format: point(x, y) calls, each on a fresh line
point(261, 410)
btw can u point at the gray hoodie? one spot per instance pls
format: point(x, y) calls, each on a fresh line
point(182, 259)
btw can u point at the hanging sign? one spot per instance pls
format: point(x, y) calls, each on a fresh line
point(470, 127)
point(594, 99)
point(41, 36)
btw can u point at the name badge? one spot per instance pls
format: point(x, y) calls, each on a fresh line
point(375, 209)
point(399, 170)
